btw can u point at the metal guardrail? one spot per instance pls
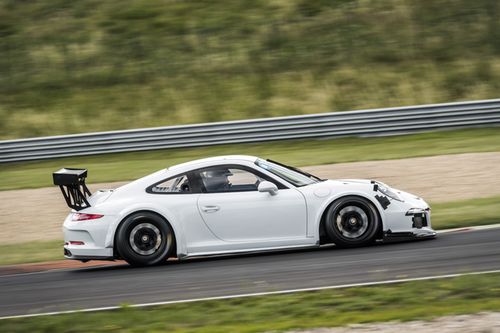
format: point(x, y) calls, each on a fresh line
point(376, 122)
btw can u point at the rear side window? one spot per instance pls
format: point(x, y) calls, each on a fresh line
point(178, 184)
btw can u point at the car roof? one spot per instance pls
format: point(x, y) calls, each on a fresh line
point(215, 160)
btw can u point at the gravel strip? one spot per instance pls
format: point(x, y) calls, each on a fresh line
point(486, 322)
point(39, 213)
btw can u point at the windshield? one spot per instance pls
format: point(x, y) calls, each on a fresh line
point(292, 175)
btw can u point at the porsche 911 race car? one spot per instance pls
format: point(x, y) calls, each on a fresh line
point(231, 204)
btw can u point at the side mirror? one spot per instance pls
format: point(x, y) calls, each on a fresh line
point(269, 187)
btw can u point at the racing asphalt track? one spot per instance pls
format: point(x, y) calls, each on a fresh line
point(449, 253)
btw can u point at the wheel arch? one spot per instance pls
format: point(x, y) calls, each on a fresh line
point(145, 210)
point(321, 225)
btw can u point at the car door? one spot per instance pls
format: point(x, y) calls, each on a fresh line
point(235, 211)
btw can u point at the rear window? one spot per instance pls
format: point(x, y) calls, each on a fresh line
point(178, 184)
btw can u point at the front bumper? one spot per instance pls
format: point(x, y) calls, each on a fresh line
point(423, 233)
point(408, 219)
point(417, 222)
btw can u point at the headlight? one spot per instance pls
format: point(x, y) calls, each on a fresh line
point(387, 191)
point(413, 211)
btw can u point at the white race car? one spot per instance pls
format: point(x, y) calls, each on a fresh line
point(231, 204)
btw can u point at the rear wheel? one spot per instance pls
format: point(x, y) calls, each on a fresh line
point(352, 221)
point(144, 239)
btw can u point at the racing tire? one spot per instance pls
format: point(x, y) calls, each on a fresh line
point(144, 239)
point(352, 221)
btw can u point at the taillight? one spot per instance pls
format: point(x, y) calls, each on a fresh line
point(85, 217)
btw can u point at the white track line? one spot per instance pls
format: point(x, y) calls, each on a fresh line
point(278, 292)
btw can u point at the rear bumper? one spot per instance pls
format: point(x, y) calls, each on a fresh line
point(82, 252)
point(86, 240)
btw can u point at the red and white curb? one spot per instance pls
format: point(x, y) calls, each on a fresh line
point(465, 229)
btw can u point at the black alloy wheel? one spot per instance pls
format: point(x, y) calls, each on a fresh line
point(352, 221)
point(144, 239)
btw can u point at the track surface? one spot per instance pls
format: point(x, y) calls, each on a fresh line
point(455, 252)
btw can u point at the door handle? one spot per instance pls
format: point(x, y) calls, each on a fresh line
point(210, 209)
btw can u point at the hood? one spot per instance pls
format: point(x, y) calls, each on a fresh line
point(410, 198)
point(355, 181)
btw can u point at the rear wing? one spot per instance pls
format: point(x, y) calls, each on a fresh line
point(72, 184)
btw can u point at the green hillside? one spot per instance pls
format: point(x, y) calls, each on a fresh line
point(88, 65)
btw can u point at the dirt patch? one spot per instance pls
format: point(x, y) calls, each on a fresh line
point(436, 179)
point(480, 323)
point(37, 214)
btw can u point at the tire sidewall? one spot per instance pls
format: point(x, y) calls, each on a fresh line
point(334, 233)
point(124, 248)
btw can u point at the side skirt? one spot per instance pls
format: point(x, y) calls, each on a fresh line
point(247, 251)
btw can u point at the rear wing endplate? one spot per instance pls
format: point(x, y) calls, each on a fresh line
point(72, 184)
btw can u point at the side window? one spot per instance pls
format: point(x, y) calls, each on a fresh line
point(224, 179)
point(179, 184)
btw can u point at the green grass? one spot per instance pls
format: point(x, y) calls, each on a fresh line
point(327, 308)
point(444, 215)
point(80, 66)
point(128, 166)
point(36, 251)
point(466, 213)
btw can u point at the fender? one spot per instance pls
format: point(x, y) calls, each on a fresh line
point(324, 206)
point(165, 213)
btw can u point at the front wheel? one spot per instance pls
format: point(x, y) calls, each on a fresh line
point(352, 221)
point(144, 239)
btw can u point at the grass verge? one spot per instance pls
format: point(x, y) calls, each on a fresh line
point(466, 213)
point(444, 215)
point(327, 308)
point(71, 66)
point(37, 251)
point(126, 166)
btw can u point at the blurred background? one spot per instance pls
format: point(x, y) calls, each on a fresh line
point(85, 66)
point(90, 65)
